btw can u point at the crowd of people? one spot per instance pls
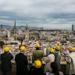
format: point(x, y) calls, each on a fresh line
point(45, 59)
point(37, 56)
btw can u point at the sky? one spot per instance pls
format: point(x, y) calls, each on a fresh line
point(45, 13)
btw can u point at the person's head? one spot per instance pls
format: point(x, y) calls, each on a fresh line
point(52, 50)
point(37, 46)
point(6, 49)
point(71, 49)
point(37, 63)
point(57, 48)
point(22, 48)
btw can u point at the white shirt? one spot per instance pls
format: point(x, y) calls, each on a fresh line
point(51, 57)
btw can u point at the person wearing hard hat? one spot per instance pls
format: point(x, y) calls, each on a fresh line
point(57, 47)
point(21, 61)
point(51, 59)
point(37, 68)
point(71, 49)
point(37, 46)
point(56, 65)
point(6, 58)
point(37, 64)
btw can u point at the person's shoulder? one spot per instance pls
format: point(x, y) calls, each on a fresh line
point(17, 54)
point(9, 53)
point(2, 54)
point(51, 55)
point(20, 54)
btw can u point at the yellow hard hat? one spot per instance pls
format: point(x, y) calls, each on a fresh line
point(52, 50)
point(22, 48)
point(71, 49)
point(57, 47)
point(6, 49)
point(37, 64)
point(37, 45)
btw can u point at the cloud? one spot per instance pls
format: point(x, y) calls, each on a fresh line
point(6, 22)
point(38, 12)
